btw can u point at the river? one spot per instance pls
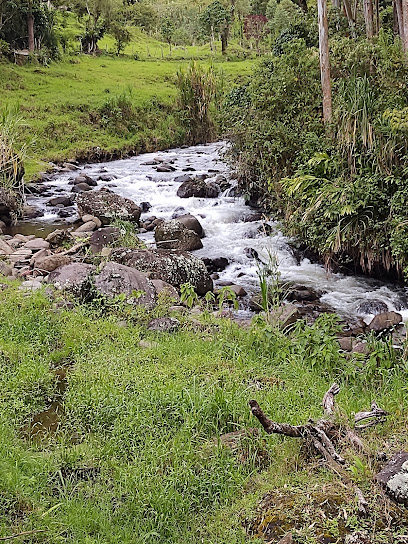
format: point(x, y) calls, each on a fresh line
point(225, 222)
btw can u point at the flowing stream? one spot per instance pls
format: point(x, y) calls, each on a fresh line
point(227, 223)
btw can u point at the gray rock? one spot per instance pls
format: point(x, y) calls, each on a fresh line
point(58, 237)
point(394, 477)
point(103, 237)
point(81, 188)
point(174, 235)
point(5, 269)
point(174, 267)
point(83, 178)
point(361, 347)
point(116, 279)
point(49, 263)
point(198, 188)
point(89, 226)
point(285, 315)
point(60, 201)
point(185, 178)
point(238, 290)
point(108, 206)
point(164, 324)
point(372, 307)
point(167, 289)
point(5, 248)
point(74, 277)
point(192, 223)
point(37, 244)
point(212, 190)
point(346, 343)
point(384, 321)
point(86, 218)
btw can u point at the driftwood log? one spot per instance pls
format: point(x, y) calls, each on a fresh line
point(323, 435)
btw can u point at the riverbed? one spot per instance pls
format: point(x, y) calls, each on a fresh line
point(230, 230)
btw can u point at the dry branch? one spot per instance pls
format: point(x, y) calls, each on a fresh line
point(376, 415)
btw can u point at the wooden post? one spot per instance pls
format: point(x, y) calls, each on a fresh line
point(325, 59)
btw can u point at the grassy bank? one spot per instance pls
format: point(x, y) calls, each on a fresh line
point(137, 456)
point(82, 103)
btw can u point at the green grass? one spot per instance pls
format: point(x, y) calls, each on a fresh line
point(137, 458)
point(60, 104)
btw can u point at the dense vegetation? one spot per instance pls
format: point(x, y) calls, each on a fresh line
point(137, 456)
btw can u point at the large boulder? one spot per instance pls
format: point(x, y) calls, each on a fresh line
point(192, 223)
point(174, 235)
point(372, 307)
point(198, 188)
point(173, 266)
point(385, 320)
point(116, 279)
point(74, 277)
point(103, 237)
point(49, 263)
point(107, 206)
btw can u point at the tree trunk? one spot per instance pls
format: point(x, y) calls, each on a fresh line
point(224, 41)
point(325, 59)
point(30, 27)
point(404, 19)
point(369, 18)
point(350, 19)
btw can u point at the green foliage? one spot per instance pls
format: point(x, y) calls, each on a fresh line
point(188, 295)
point(121, 34)
point(227, 296)
point(198, 88)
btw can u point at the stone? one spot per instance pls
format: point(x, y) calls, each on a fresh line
point(192, 223)
point(164, 324)
point(384, 321)
point(60, 201)
point(146, 344)
point(145, 206)
point(174, 267)
point(196, 187)
point(216, 265)
point(212, 190)
point(167, 289)
point(372, 307)
point(83, 178)
point(394, 477)
point(69, 166)
point(106, 177)
point(103, 237)
point(285, 315)
point(165, 168)
point(361, 347)
point(58, 237)
point(302, 293)
point(86, 218)
point(74, 277)
point(89, 226)
point(37, 244)
point(116, 279)
point(174, 235)
point(80, 188)
point(30, 285)
point(185, 178)
point(49, 263)
point(5, 248)
point(32, 212)
point(238, 290)
point(346, 343)
point(108, 206)
point(5, 269)
point(39, 255)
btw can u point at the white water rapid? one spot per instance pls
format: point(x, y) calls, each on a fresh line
point(223, 220)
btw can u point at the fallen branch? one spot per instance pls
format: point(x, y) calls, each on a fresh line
point(376, 415)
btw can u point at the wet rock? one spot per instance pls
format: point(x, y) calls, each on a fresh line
point(394, 477)
point(238, 290)
point(116, 279)
point(60, 201)
point(372, 307)
point(384, 321)
point(145, 206)
point(346, 344)
point(103, 237)
point(251, 253)
point(49, 263)
point(183, 179)
point(198, 188)
point(165, 168)
point(302, 293)
point(83, 178)
point(32, 212)
point(255, 303)
point(36, 188)
point(108, 206)
point(66, 212)
point(37, 244)
point(74, 277)
point(174, 267)
point(174, 235)
point(69, 167)
point(106, 177)
point(162, 287)
point(216, 265)
point(81, 188)
point(212, 190)
point(164, 324)
point(86, 218)
point(192, 223)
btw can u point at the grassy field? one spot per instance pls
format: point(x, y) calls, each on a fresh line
point(62, 105)
point(137, 456)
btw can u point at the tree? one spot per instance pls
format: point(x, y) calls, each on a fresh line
point(121, 35)
point(167, 29)
point(324, 60)
point(99, 15)
point(255, 28)
point(216, 19)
